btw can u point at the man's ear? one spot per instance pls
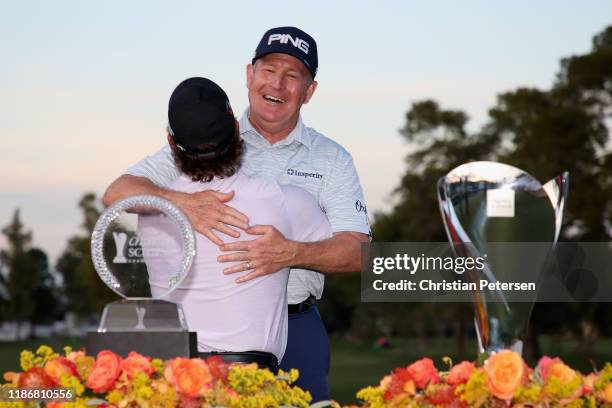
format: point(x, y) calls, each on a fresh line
point(170, 141)
point(310, 91)
point(249, 74)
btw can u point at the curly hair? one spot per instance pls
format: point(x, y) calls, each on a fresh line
point(224, 164)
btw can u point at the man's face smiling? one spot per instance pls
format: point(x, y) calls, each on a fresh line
point(278, 85)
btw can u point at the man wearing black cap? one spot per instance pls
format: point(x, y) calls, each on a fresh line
point(245, 323)
point(280, 79)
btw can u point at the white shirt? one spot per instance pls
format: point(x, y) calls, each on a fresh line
point(229, 316)
point(305, 158)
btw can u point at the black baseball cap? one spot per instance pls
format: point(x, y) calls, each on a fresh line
point(291, 41)
point(199, 113)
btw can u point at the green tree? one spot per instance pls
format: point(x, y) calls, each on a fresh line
point(588, 77)
point(439, 142)
point(49, 305)
point(549, 134)
point(586, 80)
point(542, 132)
point(22, 271)
point(85, 292)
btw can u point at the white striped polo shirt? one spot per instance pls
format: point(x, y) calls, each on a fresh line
point(305, 158)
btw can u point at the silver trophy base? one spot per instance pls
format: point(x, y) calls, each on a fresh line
point(142, 315)
point(162, 344)
point(152, 327)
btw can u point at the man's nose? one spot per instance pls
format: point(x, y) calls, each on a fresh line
point(276, 81)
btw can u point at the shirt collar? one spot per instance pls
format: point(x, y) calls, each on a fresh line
point(299, 134)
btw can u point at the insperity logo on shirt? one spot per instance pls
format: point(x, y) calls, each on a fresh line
point(305, 174)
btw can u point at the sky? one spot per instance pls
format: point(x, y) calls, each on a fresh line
point(84, 85)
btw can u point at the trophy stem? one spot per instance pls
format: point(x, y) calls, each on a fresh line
point(481, 323)
point(140, 312)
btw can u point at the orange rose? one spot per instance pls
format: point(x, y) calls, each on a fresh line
point(75, 355)
point(104, 372)
point(443, 395)
point(60, 366)
point(384, 383)
point(560, 371)
point(606, 394)
point(423, 372)
point(35, 377)
point(137, 362)
point(218, 368)
point(460, 373)
point(187, 402)
point(173, 367)
point(544, 364)
point(399, 384)
point(11, 377)
point(190, 377)
point(506, 371)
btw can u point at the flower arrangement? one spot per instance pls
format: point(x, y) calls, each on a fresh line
point(109, 381)
point(504, 380)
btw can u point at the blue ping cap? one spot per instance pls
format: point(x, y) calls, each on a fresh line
point(291, 41)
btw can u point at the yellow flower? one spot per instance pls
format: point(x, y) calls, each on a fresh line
point(140, 380)
point(290, 377)
point(164, 395)
point(529, 394)
point(248, 379)
point(604, 377)
point(68, 381)
point(26, 360)
point(475, 392)
point(44, 351)
point(373, 396)
point(158, 365)
point(114, 396)
point(565, 384)
point(144, 392)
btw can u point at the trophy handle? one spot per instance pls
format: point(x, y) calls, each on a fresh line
point(458, 238)
point(557, 189)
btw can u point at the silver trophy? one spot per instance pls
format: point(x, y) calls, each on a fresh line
point(142, 248)
point(485, 203)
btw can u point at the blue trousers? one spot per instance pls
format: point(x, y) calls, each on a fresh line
point(308, 351)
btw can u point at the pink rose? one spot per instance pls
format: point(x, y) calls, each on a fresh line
point(423, 372)
point(104, 372)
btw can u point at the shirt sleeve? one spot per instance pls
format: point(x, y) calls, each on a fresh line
point(342, 197)
point(159, 168)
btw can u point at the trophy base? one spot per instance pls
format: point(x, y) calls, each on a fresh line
point(156, 344)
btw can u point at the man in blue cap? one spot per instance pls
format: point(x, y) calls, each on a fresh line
point(280, 79)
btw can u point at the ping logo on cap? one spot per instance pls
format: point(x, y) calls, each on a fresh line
point(286, 38)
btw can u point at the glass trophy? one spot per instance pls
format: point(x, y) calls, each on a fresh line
point(142, 248)
point(485, 203)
